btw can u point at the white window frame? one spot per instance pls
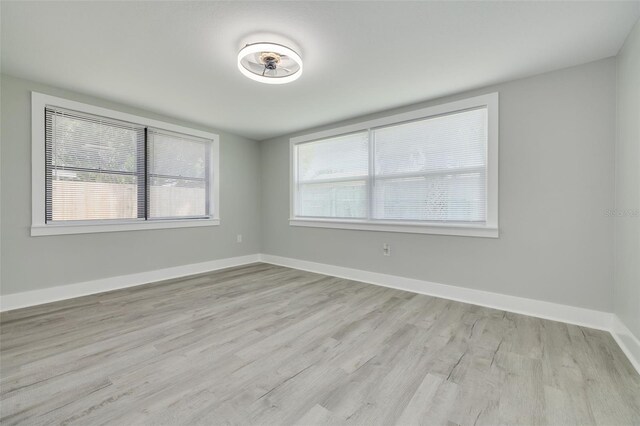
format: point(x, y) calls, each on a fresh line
point(489, 229)
point(39, 226)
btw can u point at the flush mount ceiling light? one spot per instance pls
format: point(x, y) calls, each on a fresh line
point(269, 63)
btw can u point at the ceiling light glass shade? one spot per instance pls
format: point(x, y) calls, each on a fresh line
point(269, 63)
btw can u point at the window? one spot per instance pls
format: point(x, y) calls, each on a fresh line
point(97, 170)
point(332, 177)
point(428, 171)
point(178, 167)
point(93, 168)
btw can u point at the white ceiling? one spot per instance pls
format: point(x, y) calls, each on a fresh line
point(179, 58)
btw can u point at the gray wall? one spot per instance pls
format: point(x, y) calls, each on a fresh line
point(627, 226)
point(30, 263)
point(556, 181)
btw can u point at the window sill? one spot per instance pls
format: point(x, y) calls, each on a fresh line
point(40, 230)
point(411, 228)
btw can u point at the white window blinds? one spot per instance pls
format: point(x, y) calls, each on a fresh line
point(94, 168)
point(332, 177)
point(178, 175)
point(100, 169)
point(431, 170)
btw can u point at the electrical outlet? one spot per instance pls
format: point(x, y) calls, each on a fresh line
point(239, 238)
point(386, 249)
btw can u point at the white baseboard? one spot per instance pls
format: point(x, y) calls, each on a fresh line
point(70, 291)
point(532, 307)
point(536, 308)
point(629, 343)
point(606, 321)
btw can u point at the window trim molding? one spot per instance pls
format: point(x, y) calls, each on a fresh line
point(38, 190)
point(489, 229)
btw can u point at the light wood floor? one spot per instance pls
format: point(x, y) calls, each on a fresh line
point(262, 344)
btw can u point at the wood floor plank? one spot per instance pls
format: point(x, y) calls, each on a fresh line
point(263, 344)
